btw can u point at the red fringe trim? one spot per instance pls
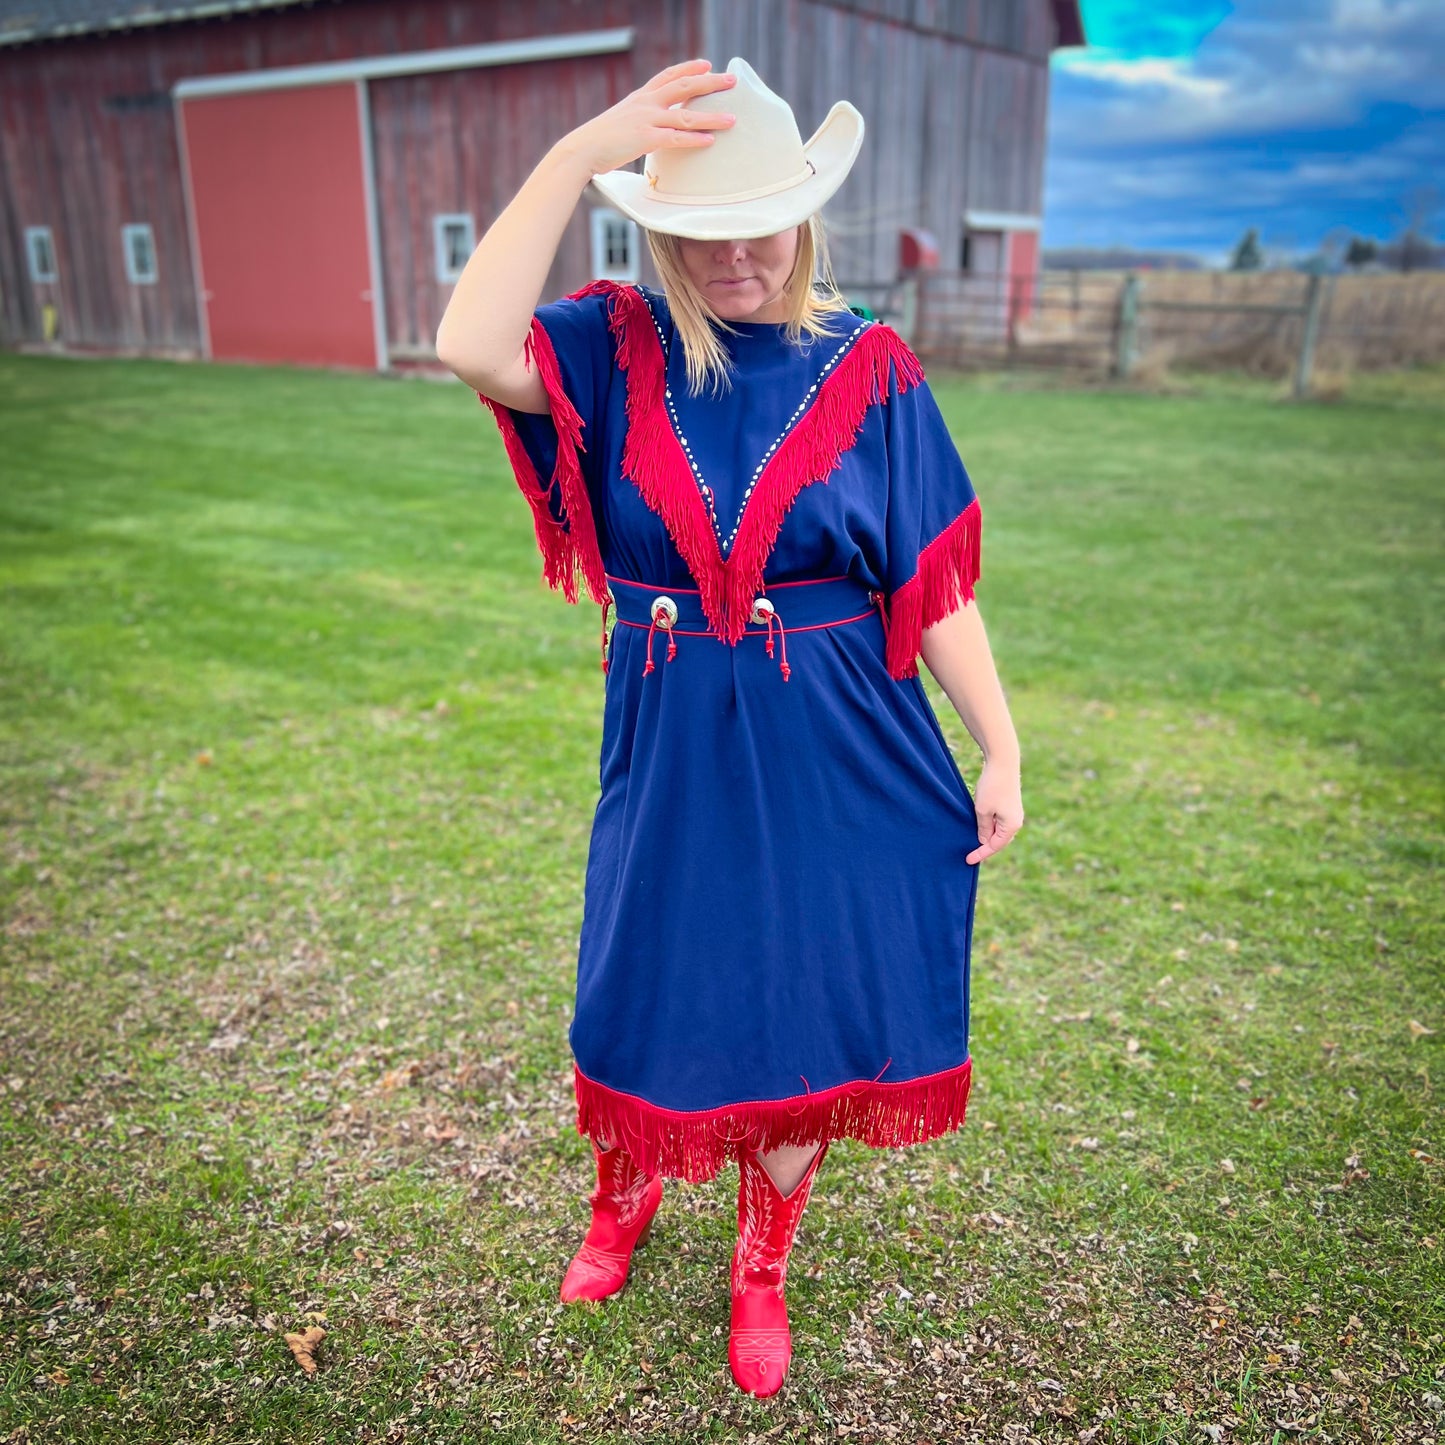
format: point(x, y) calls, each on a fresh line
point(695, 1144)
point(568, 552)
point(552, 539)
point(654, 460)
point(948, 569)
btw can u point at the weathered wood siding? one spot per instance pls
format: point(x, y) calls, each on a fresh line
point(465, 141)
point(954, 94)
point(88, 142)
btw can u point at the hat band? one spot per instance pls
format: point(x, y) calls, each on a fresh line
point(673, 198)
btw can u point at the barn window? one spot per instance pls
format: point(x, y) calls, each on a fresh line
point(456, 239)
point(963, 251)
point(140, 254)
point(41, 250)
point(614, 247)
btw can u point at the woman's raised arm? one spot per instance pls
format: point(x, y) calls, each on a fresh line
point(487, 320)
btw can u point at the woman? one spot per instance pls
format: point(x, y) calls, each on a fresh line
point(780, 885)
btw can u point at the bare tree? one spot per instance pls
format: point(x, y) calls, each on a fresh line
point(1414, 247)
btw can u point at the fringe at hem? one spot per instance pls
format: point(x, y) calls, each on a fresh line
point(694, 1145)
point(948, 570)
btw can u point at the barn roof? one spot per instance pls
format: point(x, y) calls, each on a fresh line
point(22, 20)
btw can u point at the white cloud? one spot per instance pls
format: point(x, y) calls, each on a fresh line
point(1351, 62)
point(1275, 67)
point(1293, 115)
point(1354, 173)
point(1155, 73)
point(1380, 16)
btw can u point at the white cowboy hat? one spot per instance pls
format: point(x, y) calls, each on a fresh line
point(758, 176)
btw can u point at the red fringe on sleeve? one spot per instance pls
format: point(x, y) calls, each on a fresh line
point(948, 568)
point(570, 551)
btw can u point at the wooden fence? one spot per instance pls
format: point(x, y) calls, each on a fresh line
point(1127, 324)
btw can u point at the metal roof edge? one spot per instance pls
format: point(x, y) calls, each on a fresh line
point(179, 14)
point(567, 45)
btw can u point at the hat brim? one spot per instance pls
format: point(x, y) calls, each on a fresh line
point(832, 148)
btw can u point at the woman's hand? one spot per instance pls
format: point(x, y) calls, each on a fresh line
point(643, 121)
point(999, 805)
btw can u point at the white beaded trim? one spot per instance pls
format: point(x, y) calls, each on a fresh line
point(706, 491)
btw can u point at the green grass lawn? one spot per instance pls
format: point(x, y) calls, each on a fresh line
point(299, 760)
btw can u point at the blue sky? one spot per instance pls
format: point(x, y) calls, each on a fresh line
point(1182, 124)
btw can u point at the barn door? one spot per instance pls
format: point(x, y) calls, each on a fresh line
point(279, 195)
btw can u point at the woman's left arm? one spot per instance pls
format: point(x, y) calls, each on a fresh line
point(957, 653)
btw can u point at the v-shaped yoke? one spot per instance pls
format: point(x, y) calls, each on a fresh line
point(662, 458)
point(730, 437)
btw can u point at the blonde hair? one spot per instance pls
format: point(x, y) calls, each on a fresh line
point(810, 305)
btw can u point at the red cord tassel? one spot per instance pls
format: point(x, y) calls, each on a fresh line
point(783, 633)
point(651, 628)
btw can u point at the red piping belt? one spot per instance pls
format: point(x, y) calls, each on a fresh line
point(781, 608)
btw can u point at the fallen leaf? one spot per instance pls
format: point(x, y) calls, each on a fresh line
point(401, 1078)
point(303, 1346)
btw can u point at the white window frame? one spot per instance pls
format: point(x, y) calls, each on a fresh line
point(440, 223)
point(129, 235)
point(34, 235)
point(602, 218)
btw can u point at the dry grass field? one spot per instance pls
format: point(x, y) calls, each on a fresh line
point(1188, 320)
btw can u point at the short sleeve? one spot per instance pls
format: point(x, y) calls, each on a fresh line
point(556, 456)
point(933, 522)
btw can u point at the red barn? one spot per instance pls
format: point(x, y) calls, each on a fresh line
point(273, 180)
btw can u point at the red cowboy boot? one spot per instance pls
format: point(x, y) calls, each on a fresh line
point(623, 1204)
point(761, 1345)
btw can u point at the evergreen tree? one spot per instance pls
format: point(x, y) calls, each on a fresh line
point(1361, 251)
point(1247, 254)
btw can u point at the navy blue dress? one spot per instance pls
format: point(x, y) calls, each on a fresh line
point(775, 942)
